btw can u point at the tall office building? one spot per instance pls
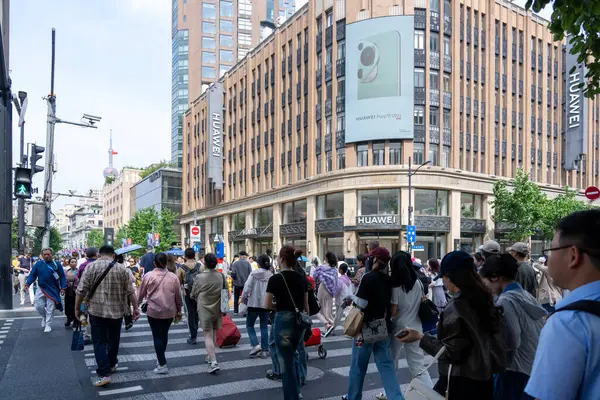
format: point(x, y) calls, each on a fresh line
point(307, 140)
point(208, 38)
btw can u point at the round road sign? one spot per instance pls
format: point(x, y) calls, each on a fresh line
point(196, 230)
point(592, 193)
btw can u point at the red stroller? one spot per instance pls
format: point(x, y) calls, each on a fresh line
point(315, 340)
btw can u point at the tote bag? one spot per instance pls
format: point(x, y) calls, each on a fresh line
point(354, 322)
point(417, 390)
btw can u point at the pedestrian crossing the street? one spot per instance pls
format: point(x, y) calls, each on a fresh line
point(188, 376)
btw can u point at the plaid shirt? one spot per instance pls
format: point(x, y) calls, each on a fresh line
point(110, 298)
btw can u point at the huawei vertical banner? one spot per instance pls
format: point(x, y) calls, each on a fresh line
point(215, 137)
point(380, 79)
point(576, 112)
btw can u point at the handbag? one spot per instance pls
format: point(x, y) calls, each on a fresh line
point(303, 320)
point(353, 322)
point(144, 306)
point(374, 331)
point(428, 311)
point(224, 297)
point(86, 300)
point(417, 390)
point(77, 342)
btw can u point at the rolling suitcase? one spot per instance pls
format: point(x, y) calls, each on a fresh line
point(229, 334)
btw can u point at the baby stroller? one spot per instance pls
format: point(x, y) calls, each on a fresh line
point(315, 340)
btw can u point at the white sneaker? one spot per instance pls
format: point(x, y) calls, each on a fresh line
point(381, 396)
point(255, 351)
point(43, 322)
point(103, 380)
point(161, 370)
point(47, 329)
point(214, 367)
point(264, 354)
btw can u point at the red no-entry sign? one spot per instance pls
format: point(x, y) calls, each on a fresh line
point(195, 233)
point(592, 193)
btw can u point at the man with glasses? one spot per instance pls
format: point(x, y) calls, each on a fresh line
point(525, 273)
point(567, 362)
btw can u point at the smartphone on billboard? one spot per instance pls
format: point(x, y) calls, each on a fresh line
point(378, 71)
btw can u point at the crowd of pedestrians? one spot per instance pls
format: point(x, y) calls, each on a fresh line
point(500, 326)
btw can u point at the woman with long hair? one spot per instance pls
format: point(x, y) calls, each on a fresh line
point(326, 276)
point(470, 329)
point(70, 274)
point(290, 289)
point(438, 293)
point(171, 263)
point(160, 288)
point(253, 296)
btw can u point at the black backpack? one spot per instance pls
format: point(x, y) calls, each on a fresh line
point(190, 276)
point(588, 306)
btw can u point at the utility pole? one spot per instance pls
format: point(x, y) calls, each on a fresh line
point(21, 109)
point(410, 207)
point(51, 100)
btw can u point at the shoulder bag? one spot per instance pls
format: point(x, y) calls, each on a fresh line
point(144, 306)
point(224, 297)
point(303, 320)
point(428, 312)
point(417, 390)
point(374, 331)
point(88, 296)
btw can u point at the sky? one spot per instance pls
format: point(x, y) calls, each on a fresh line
point(113, 59)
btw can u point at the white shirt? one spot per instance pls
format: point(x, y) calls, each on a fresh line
point(408, 304)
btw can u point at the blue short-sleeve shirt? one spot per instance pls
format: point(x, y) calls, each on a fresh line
point(567, 361)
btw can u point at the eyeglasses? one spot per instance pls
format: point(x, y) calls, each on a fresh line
point(548, 252)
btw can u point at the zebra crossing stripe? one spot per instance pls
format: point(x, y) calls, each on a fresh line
point(367, 394)
point(120, 390)
point(345, 371)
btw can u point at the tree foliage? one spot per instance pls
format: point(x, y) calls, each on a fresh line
point(581, 21)
point(95, 239)
point(108, 180)
point(141, 224)
point(528, 211)
point(149, 170)
point(56, 241)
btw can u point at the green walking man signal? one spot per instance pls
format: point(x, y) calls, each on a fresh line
point(22, 183)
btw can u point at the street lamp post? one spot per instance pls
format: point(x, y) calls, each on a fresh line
point(410, 175)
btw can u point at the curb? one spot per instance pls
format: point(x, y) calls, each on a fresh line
point(18, 312)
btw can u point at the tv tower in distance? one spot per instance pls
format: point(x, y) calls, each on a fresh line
point(110, 171)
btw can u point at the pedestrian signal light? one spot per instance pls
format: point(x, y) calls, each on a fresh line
point(22, 183)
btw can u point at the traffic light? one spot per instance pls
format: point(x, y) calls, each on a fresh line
point(23, 183)
point(34, 156)
point(109, 236)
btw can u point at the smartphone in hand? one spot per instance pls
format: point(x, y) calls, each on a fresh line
point(402, 333)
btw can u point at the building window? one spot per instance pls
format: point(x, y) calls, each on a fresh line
point(434, 154)
point(447, 83)
point(209, 27)
point(319, 164)
point(209, 11)
point(341, 159)
point(330, 206)
point(226, 26)
point(263, 217)
point(223, 69)
point(209, 57)
point(216, 225)
point(434, 80)
point(447, 46)
point(434, 5)
point(294, 212)
point(226, 41)
point(328, 162)
point(208, 42)
point(446, 156)
point(418, 153)
point(378, 153)
point(431, 202)
point(395, 151)
point(470, 205)
point(245, 39)
point(419, 115)
point(362, 155)
point(226, 9)
point(209, 72)
point(419, 40)
point(378, 202)
point(434, 42)
point(238, 221)
point(419, 77)
point(446, 119)
point(434, 116)
point(226, 56)
point(244, 24)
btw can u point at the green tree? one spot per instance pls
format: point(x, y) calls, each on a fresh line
point(95, 239)
point(108, 180)
point(141, 224)
point(155, 167)
point(580, 19)
point(56, 241)
point(557, 208)
point(522, 208)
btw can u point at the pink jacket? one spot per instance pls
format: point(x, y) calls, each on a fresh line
point(161, 289)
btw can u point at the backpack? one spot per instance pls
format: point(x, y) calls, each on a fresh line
point(190, 276)
point(588, 306)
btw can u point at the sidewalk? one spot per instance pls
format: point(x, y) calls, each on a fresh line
point(18, 310)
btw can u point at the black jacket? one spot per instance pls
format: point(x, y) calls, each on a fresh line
point(473, 352)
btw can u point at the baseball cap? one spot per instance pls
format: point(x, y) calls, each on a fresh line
point(456, 260)
point(91, 252)
point(490, 247)
point(519, 247)
point(381, 253)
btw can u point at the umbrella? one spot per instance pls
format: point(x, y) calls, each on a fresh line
point(176, 251)
point(303, 258)
point(128, 249)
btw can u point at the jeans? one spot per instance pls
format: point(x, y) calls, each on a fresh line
point(273, 352)
point(160, 334)
point(301, 364)
point(192, 315)
point(384, 360)
point(106, 335)
point(510, 385)
point(237, 292)
point(287, 339)
point(263, 315)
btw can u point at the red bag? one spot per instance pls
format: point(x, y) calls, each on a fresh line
point(229, 334)
point(315, 338)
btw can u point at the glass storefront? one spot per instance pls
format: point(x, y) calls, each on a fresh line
point(434, 245)
point(389, 241)
point(262, 245)
point(470, 205)
point(330, 206)
point(294, 212)
point(263, 217)
point(216, 225)
point(333, 243)
point(378, 202)
point(470, 242)
point(298, 242)
point(238, 221)
point(431, 202)
point(237, 246)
